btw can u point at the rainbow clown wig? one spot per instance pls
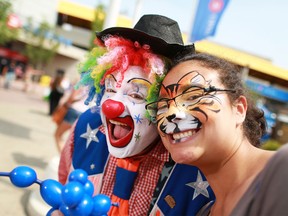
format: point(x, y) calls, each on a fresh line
point(117, 54)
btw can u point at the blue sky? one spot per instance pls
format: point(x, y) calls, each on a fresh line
point(258, 27)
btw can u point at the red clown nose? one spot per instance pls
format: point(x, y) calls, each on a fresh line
point(112, 109)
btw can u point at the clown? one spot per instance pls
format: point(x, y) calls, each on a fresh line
point(127, 83)
point(116, 142)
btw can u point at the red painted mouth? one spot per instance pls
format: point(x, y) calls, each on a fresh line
point(120, 131)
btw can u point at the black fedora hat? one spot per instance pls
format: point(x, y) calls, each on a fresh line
point(161, 33)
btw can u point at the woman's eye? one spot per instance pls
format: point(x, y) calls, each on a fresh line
point(190, 96)
point(162, 109)
point(194, 97)
point(162, 105)
point(109, 90)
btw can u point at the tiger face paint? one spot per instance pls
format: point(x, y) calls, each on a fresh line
point(185, 105)
point(193, 113)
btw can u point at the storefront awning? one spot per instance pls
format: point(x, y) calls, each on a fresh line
point(241, 58)
point(11, 54)
point(86, 13)
point(76, 10)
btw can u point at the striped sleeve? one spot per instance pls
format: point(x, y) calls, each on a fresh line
point(66, 158)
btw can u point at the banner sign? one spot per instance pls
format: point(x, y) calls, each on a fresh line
point(268, 91)
point(207, 18)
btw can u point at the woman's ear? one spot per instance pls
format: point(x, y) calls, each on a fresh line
point(241, 109)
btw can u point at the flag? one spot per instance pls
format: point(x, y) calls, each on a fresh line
point(185, 192)
point(207, 17)
point(90, 148)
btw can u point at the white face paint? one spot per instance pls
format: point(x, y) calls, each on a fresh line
point(128, 131)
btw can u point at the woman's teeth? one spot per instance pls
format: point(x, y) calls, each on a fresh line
point(185, 134)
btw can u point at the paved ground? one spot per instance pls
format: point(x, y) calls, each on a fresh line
point(26, 138)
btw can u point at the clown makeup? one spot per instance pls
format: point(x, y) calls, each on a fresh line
point(123, 113)
point(192, 99)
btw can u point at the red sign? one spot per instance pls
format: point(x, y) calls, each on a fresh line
point(13, 21)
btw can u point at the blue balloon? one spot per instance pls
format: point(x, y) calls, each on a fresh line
point(84, 208)
point(23, 176)
point(102, 204)
point(78, 175)
point(64, 209)
point(72, 193)
point(89, 188)
point(50, 191)
point(49, 213)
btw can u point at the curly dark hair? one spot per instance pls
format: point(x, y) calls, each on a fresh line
point(229, 74)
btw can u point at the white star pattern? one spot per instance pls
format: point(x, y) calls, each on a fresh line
point(92, 166)
point(200, 187)
point(165, 172)
point(90, 135)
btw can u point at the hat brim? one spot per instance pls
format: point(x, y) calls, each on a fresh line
point(158, 45)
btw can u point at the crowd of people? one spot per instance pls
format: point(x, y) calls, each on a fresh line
point(61, 92)
point(10, 71)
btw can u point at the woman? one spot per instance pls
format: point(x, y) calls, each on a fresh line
point(76, 106)
point(206, 119)
point(57, 92)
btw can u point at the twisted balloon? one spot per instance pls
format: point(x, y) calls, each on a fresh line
point(75, 198)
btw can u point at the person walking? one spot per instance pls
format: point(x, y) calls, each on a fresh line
point(9, 74)
point(75, 106)
point(56, 91)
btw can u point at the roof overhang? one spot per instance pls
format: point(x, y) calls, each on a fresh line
point(76, 10)
point(86, 13)
point(241, 58)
